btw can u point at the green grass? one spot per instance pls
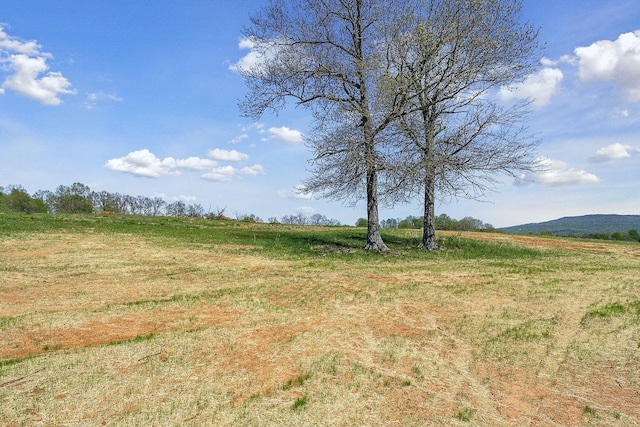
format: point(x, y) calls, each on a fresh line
point(612, 310)
point(297, 381)
point(531, 330)
point(282, 241)
point(11, 362)
point(180, 298)
point(590, 411)
point(300, 402)
point(463, 248)
point(9, 322)
point(136, 339)
point(465, 415)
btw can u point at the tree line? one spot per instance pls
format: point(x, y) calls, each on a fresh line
point(620, 236)
point(442, 222)
point(629, 236)
point(78, 198)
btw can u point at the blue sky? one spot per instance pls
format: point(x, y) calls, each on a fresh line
point(140, 97)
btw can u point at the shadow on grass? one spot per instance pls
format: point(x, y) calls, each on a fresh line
point(272, 239)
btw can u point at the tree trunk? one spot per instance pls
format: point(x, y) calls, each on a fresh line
point(374, 239)
point(428, 160)
point(429, 230)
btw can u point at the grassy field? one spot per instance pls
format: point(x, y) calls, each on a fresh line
point(129, 321)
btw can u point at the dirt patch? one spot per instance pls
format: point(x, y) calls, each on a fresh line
point(34, 338)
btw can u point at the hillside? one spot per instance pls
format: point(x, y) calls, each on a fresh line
point(580, 225)
point(129, 320)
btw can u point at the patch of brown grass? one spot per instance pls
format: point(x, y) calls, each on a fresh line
point(232, 337)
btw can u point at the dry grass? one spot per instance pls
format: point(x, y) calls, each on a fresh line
point(99, 329)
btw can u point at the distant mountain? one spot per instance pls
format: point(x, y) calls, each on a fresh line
point(580, 225)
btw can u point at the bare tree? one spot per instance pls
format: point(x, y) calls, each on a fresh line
point(145, 205)
point(130, 204)
point(176, 209)
point(104, 201)
point(325, 55)
point(322, 220)
point(195, 210)
point(297, 219)
point(455, 136)
point(399, 93)
point(157, 206)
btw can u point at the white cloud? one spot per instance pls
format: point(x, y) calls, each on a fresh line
point(95, 97)
point(251, 60)
point(103, 96)
point(548, 62)
point(612, 152)
point(26, 80)
point(239, 138)
point(252, 170)
point(30, 75)
point(301, 192)
point(298, 192)
point(255, 125)
point(568, 59)
point(220, 174)
point(13, 44)
point(622, 113)
point(227, 155)
point(247, 43)
point(539, 87)
point(305, 210)
point(179, 198)
point(184, 198)
point(290, 136)
point(143, 163)
point(196, 163)
point(617, 62)
point(259, 52)
point(556, 173)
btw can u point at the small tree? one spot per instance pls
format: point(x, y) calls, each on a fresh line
point(361, 222)
point(157, 206)
point(18, 200)
point(104, 202)
point(444, 222)
point(195, 210)
point(177, 209)
point(390, 223)
point(45, 199)
point(74, 199)
point(3, 200)
point(470, 224)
